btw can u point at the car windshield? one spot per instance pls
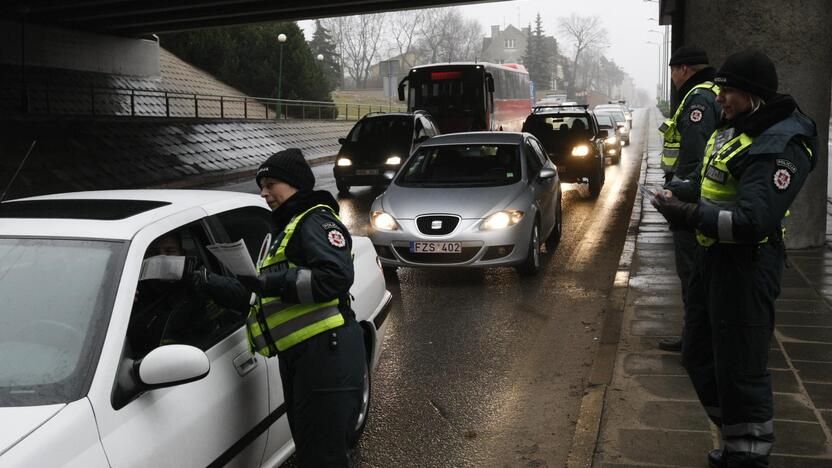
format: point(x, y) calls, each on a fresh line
point(382, 129)
point(455, 93)
point(474, 165)
point(56, 297)
point(618, 116)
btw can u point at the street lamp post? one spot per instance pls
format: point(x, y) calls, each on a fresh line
point(661, 70)
point(281, 38)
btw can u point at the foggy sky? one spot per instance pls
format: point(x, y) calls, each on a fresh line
point(626, 22)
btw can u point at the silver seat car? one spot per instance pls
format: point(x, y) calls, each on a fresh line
point(478, 199)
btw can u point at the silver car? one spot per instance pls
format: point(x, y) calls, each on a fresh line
point(478, 199)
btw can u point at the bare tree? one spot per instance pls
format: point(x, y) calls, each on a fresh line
point(446, 36)
point(359, 38)
point(404, 29)
point(583, 32)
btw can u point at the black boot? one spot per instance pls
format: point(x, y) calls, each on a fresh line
point(715, 458)
point(671, 344)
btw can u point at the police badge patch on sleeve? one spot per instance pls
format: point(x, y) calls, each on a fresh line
point(695, 115)
point(336, 238)
point(782, 179)
point(783, 174)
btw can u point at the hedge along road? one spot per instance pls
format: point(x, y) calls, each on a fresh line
point(483, 367)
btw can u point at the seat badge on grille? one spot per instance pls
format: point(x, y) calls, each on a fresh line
point(436, 224)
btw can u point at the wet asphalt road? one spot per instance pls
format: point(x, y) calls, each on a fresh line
point(483, 367)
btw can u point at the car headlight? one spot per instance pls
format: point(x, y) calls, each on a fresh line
point(393, 160)
point(501, 220)
point(344, 162)
point(383, 221)
point(611, 140)
point(580, 150)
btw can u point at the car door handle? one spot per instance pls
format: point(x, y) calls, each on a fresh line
point(245, 363)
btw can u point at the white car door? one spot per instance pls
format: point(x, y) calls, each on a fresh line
point(252, 224)
point(214, 421)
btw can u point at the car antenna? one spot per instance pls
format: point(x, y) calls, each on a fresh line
point(19, 167)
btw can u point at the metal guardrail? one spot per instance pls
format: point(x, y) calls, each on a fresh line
point(46, 99)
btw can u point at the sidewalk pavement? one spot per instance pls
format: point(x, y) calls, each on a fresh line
point(650, 414)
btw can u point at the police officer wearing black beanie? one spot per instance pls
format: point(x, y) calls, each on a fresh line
point(302, 311)
point(754, 165)
point(685, 135)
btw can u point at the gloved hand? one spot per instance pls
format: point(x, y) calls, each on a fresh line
point(197, 279)
point(253, 283)
point(675, 211)
point(192, 265)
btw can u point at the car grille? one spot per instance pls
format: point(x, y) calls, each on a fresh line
point(437, 225)
point(437, 258)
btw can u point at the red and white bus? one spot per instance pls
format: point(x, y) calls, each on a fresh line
point(466, 96)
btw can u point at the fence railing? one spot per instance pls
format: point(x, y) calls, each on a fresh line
point(46, 99)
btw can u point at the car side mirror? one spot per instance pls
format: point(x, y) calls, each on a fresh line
point(342, 141)
point(401, 89)
point(547, 173)
point(171, 365)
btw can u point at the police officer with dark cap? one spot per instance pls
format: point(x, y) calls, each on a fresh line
point(301, 311)
point(685, 135)
point(753, 167)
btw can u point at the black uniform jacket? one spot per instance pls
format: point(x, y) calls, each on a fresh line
point(696, 122)
point(769, 176)
point(321, 247)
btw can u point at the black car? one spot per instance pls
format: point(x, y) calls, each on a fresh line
point(613, 143)
point(574, 142)
point(377, 145)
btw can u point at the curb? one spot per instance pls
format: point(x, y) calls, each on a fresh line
point(221, 177)
point(588, 426)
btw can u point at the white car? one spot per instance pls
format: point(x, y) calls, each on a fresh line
point(101, 369)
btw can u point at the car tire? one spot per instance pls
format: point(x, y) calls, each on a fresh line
point(596, 182)
point(531, 265)
point(557, 231)
point(342, 186)
point(364, 411)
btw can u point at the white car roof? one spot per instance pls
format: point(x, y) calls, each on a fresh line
point(175, 201)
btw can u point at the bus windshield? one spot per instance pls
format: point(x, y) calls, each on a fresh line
point(448, 93)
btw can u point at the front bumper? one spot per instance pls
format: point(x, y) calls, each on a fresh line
point(503, 247)
point(380, 174)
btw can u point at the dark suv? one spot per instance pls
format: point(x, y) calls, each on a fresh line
point(377, 145)
point(573, 140)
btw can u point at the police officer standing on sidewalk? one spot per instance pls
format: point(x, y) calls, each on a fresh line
point(685, 135)
point(754, 165)
point(302, 311)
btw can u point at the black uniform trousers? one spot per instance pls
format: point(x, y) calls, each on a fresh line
point(684, 246)
point(322, 380)
point(727, 334)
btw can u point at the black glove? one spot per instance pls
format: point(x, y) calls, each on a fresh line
point(677, 212)
point(192, 265)
point(197, 279)
point(253, 283)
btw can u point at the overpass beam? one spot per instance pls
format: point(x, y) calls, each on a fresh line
point(797, 37)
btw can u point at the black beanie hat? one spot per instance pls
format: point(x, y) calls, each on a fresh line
point(750, 71)
point(689, 55)
point(289, 166)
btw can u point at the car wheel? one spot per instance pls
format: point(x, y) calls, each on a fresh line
point(596, 181)
point(557, 231)
point(364, 410)
point(531, 266)
point(343, 187)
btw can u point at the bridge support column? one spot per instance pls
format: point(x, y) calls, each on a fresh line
point(797, 37)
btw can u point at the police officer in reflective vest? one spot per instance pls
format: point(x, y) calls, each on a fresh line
point(301, 312)
point(753, 168)
point(685, 134)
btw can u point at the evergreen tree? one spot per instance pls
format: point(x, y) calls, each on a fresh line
point(248, 58)
point(323, 44)
point(539, 56)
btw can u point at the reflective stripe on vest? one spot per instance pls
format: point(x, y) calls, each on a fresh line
point(670, 131)
point(719, 187)
point(274, 325)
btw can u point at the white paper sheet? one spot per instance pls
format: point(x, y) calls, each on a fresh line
point(162, 267)
point(235, 257)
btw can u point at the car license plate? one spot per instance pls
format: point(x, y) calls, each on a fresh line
point(435, 247)
point(366, 172)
